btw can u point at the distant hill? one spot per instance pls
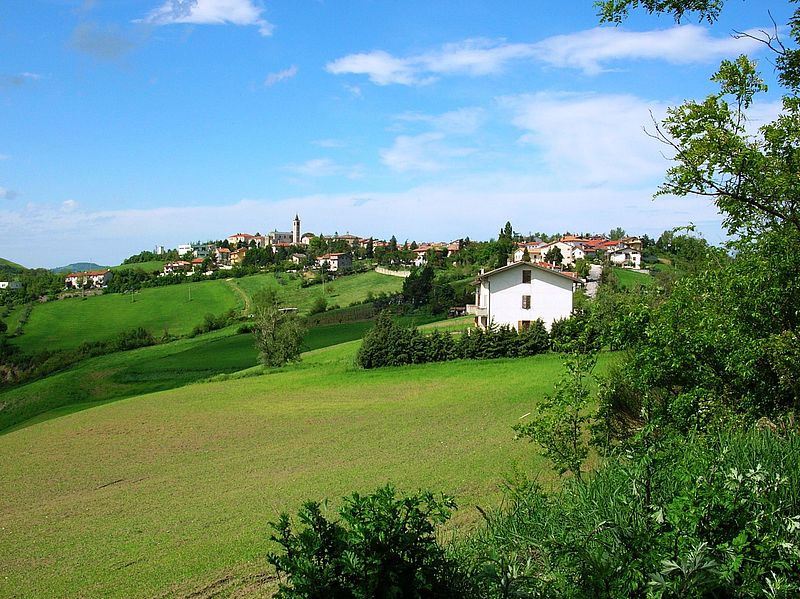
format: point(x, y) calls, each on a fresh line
point(7, 267)
point(78, 267)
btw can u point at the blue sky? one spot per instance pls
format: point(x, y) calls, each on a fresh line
point(130, 123)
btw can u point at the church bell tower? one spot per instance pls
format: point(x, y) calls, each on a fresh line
point(296, 230)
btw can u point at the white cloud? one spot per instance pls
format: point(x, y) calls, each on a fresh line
point(210, 12)
point(4, 157)
point(463, 121)
point(329, 143)
point(283, 75)
point(379, 66)
point(590, 51)
point(325, 167)
point(591, 139)
point(426, 152)
point(593, 50)
point(69, 205)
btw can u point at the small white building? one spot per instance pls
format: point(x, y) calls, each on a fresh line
point(171, 268)
point(626, 257)
point(336, 262)
point(90, 279)
point(9, 285)
point(520, 293)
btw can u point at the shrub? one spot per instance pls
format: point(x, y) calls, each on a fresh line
point(383, 545)
point(673, 516)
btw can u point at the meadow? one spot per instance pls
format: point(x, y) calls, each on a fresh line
point(628, 279)
point(171, 492)
point(177, 309)
point(342, 291)
point(151, 266)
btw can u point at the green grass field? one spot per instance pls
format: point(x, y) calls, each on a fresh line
point(343, 291)
point(146, 370)
point(177, 308)
point(67, 323)
point(629, 279)
point(151, 266)
point(170, 493)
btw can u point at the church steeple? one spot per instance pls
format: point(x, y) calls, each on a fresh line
point(296, 230)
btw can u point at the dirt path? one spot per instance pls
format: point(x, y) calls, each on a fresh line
point(240, 292)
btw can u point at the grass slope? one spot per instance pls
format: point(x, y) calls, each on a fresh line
point(628, 279)
point(146, 370)
point(170, 492)
point(8, 265)
point(342, 291)
point(67, 323)
point(151, 266)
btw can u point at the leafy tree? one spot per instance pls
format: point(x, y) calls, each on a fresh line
point(418, 285)
point(617, 233)
point(554, 255)
point(559, 420)
point(526, 256)
point(278, 333)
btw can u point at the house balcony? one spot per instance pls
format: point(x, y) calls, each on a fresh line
point(477, 310)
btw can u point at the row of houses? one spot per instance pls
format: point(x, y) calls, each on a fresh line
point(88, 279)
point(622, 252)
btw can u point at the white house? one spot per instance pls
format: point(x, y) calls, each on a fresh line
point(336, 262)
point(520, 293)
point(626, 257)
point(10, 285)
point(90, 279)
point(171, 268)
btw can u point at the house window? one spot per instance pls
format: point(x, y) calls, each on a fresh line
point(526, 302)
point(526, 276)
point(523, 325)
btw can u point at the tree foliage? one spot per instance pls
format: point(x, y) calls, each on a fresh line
point(382, 546)
point(558, 423)
point(278, 333)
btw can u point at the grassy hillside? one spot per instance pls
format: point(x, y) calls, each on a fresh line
point(78, 267)
point(629, 278)
point(171, 492)
point(343, 291)
point(152, 266)
point(177, 308)
point(9, 267)
point(147, 370)
point(67, 323)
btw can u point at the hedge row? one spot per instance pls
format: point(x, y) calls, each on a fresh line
point(390, 344)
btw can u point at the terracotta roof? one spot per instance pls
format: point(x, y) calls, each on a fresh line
point(87, 273)
point(528, 264)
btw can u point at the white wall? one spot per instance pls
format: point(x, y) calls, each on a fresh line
point(551, 296)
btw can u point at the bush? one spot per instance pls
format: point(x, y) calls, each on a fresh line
point(674, 516)
point(389, 344)
point(383, 545)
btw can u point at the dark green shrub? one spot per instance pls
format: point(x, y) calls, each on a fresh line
point(383, 545)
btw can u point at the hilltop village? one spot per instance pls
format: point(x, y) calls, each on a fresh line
point(341, 253)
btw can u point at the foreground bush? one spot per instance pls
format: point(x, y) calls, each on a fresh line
point(673, 517)
point(383, 545)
